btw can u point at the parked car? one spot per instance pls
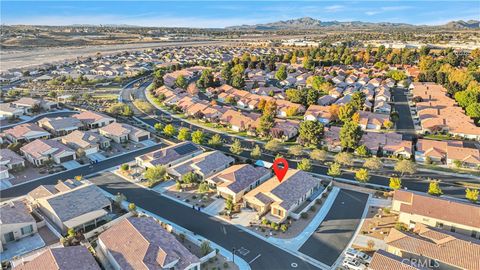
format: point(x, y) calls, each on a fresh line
point(358, 255)
point(353, 264)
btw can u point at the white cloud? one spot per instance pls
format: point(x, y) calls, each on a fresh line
point(334, 8)
point(370, 13)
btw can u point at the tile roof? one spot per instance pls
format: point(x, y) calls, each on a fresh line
point(82, 139)
point(205, 163)
point(447, 247)
point(76, 202)
point(383, 260)
point(142, 243)
point(89, 117)
point(15, 212)
point(22, 130)
point(60, 123)
point(286, 193)
point(9, 157)
point(120, 129)
point(63, 258)
point(26, 101)
point(239, 177)
point(39, 147)
point(168, 154)
point(442, 208)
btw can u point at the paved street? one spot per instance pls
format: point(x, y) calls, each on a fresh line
point(90, 169)
point(405, 122)
point(338, 227)
point(220, 232)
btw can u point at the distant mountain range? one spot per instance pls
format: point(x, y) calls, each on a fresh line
point(307, 23)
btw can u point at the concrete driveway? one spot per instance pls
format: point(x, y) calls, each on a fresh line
point(72, 164)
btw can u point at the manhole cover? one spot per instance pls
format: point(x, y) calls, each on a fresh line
point(294, 265)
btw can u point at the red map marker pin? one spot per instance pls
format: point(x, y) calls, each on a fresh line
point(280, 167)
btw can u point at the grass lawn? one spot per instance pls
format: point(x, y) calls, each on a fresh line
point(438, 137)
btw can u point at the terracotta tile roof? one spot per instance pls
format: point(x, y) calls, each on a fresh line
point(383, 260)
point(168, 154)
point(142, 243)
point(40, 148)
point(26, 101)
point(9, 157)
point(318, 111)
point(442, 208)
point(450, 248)
point(22, 130)
point(205, 163)
point(89, 117)
point(60, 123)
point(63, 258)
point(120, 129)
point(83, 139)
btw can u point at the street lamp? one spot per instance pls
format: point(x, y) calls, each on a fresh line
point(233, 255)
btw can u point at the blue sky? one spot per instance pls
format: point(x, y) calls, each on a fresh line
point(227, 13)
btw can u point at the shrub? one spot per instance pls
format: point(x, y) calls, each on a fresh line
point(313, 208)
point(284, 227)
point(304, 215)
point(124, 167)
point(225, 265)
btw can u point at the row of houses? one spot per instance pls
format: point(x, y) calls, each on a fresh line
point(25, 106)
point(61, 139)
point(253, 187)
point(442, 233)
point(238, 121)
point(439, 113)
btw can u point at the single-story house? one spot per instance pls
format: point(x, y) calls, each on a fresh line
point(121, 133)
point(60, 126)
point(10, 160)
point(9, 112)
point(40, 151)
point(16, 222)
point(279, 199)
point(235, 181)
point(26, 133)
point(93, 119)
point(204, 165)
point(72, 257)
point(89, 142)
point(169, 156)
point(142, 243)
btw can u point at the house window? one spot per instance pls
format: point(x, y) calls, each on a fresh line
point(9, 237)
point(474, 234)
point(27, 229)
point(453, 229)
point(439, 225)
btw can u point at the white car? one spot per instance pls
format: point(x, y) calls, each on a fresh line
point(355, 254)
point(353, 264)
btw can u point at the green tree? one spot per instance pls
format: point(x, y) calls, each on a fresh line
point(205, 247)
point(318, 154)
point(203, 187)
point(295, 150)
point(344, 158)
point(281, 73)
point(132, 207)
point(216, 140)
point(181, 82)
point(434, 188)
point(373, 163)
point(198, 137)
point(304, 165)
point(395, 183)
point(346, 112)
point(158, 126)
point(334, 170)
point(236, 147)
point(170, 130)
point(206, 79)
point(295, 95)
point(357, 101)
point(238, 81)
point(471, 194)
point(229, 204)
point(183, 134)
point(405, 166)
point(397, 75)
point(190, 178)
point(124, 167)
point(362, 150)
point(317, 82)
point(155, 174)
point(127, 111)
point(310, 132)
point(473, 110)
point(273, 146)
point(256, 152)
point(465, 98)
point(350, 135)
point(362, 175)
